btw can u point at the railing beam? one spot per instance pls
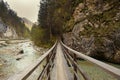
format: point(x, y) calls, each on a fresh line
point(48, 69)
point(43, 72)
point(108, 68)
point(75, 67)
point(83, 73)
point(70, 63)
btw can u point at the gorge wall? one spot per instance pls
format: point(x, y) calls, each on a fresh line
point(7, 32)
point(96, 30)
point(11, 25)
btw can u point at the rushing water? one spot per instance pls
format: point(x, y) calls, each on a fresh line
point(8, 63)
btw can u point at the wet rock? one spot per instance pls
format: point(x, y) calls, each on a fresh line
point(21, 52)
point(117, 57)
point(19, 57)
point(3, 44)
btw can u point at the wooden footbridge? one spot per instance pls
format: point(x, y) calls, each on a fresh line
point(61, 64)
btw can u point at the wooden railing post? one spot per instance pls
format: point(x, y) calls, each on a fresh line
point(53, 56)
point(108, 68)
point(75, 67)
point(67, 53)
point(48, 69)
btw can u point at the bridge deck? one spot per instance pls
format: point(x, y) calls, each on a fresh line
point(60, 70)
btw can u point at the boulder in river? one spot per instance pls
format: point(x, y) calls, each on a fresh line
point(21, 52)
point(3, 44)
point(19, 57)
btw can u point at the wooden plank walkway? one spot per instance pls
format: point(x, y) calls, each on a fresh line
point(61, 70)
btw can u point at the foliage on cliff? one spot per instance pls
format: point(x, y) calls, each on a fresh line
point(96, 29)
point(10, 18)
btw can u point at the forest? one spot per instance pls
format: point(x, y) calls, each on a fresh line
point(52, 18)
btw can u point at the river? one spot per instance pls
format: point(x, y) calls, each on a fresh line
point(9, 65)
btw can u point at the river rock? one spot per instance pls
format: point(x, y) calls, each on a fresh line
point(21, 52)
point(19, 57)
point(117, 57)
point(3, 44)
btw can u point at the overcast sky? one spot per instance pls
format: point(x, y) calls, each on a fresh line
point(25, 8)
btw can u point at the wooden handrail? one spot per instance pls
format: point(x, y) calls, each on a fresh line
point(108, 68)
point(83, 73)
point(46, 67)
point(70, 63)
point(43, 72)
point(26, 73)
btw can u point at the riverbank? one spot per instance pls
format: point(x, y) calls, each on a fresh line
point(9, 65)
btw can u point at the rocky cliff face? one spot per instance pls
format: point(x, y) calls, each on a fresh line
point(11, 25)
point(7, 32)
point(96, 31)
point(28, 23)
